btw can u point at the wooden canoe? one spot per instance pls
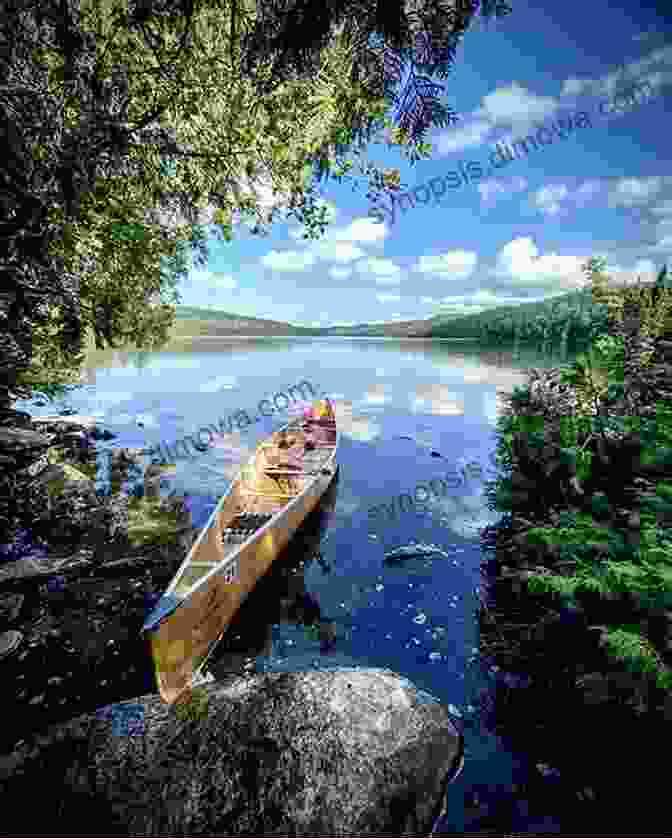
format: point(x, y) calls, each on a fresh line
point(254, 520)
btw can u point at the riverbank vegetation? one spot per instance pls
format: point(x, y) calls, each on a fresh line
point(578, 572)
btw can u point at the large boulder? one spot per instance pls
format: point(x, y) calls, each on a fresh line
point(344, 752)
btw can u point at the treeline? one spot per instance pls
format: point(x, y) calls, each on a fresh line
point(576, 318)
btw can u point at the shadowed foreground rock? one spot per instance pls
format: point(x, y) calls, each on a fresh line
point(345, 752)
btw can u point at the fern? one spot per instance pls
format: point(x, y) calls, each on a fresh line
point(628, 645)
point(584, 532)
point(552, 584)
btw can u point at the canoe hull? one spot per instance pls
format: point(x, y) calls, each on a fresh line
point(183, 640)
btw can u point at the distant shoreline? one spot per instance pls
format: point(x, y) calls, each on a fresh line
point(319, 337)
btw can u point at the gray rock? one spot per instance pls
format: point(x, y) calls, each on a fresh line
point(22, 438)
point(72, 422)
point(324, 753)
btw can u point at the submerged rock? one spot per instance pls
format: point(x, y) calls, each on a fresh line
point(413, 551)
point(325, 753)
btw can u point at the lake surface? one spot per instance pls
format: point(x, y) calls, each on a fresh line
point(416, 618)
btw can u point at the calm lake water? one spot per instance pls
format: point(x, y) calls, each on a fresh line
point(416, 618)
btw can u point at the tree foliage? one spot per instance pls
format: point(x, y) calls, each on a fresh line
point(131, 125)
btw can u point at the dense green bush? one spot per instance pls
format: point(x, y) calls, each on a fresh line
point(598, 559)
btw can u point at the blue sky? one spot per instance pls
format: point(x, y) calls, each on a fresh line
point(519, 234)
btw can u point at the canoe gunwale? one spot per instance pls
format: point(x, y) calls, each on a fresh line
point(229, 560)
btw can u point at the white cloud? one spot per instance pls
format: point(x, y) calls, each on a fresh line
point(548, 198)
point(520, 263)
point(515, 105)
point(364, 230)
point(463, 137)
point(336, 251)
point(339, 244)
point(494, 187)
point(629, 192)
point(518, 109)
point(633, 71)
point(288, 260)
point(387, 298)
point(428, 300)
point(381, 267)
point(458, 264)
point(619, 275)
point(384, 271)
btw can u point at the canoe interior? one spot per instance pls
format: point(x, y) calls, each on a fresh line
point(251, 525)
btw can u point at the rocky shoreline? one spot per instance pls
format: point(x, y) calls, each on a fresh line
point(75, 589)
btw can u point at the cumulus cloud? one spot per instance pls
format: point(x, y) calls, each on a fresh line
point(362, 230)
point(359, 230)
point(521, 265)
point(288, 260)
point(387, 298)
point(458, 264)
point(644, 269)
point(383, 271)
point(517, 109)
point(653, 68)
point(463, 137)
point(515, 105)
point(630, 192)
point(336, 251)
point(494, 188)
point(341, 243)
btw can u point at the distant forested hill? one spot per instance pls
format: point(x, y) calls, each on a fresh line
point(200, 320)
point(573, 315)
